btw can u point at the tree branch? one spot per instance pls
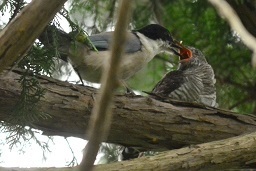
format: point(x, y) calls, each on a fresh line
point(246, 12)
point(137, 121)
point(18, 36)
point(232, 153)
point(227, 11)
point(102, 113)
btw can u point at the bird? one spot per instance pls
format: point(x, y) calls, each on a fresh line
point(141, 46)
point(193, 81)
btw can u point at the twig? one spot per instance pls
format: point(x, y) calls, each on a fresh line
point(101, 114)
point(227, 11)
point(73, 162)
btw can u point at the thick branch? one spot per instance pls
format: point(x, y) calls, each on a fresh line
point(230, 153)
point(219, 155)
point(18, 36)
point(137, 121)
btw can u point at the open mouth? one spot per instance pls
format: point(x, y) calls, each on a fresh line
point(184, 53)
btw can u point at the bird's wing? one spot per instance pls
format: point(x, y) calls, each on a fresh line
point(190, 89)
point(171, 81)
point(198, 86)
point(102, 42)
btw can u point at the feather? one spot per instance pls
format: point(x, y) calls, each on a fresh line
point(195, 82)
point(102, 42)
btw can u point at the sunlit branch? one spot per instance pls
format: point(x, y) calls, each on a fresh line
point(227, 11)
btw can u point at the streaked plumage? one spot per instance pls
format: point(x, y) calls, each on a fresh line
point(193, 81)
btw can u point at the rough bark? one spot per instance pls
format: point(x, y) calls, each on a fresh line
point(219, 155)
point(137, 121)
point(232, 153)
point(18, 36)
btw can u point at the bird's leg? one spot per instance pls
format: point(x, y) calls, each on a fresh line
point(80, 78)
point(129, 91)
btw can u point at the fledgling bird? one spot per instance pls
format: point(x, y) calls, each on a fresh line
point(193, 81)
point(141, 46)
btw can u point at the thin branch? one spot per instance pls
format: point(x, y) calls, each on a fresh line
point(73, 162)
point(101, 114)
point(227, 11)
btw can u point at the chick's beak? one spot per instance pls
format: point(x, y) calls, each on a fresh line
point(184, 53)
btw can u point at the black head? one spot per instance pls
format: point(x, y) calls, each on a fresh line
point(156, 32)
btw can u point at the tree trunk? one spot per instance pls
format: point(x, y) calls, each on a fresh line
point(18, 36)
point(138, 121)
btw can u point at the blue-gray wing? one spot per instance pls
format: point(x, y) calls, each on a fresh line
point(102, 42)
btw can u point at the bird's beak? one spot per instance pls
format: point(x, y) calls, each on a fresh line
point(176, 47)
point(184, 53)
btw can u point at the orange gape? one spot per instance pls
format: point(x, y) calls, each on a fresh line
point(185, 54)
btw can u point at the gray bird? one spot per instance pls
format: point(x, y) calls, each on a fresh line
point(193, 81)
point(141, 46)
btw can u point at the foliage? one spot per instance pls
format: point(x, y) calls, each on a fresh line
point(13, 7)
point(20, 136)
point(198, 24)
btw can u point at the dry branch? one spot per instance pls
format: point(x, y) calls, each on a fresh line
point(231, 16)
point(102, 113)
point(246, 12)
point(137, 121)
point(18, 36)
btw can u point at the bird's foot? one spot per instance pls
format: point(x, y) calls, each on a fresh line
point(129, 92)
